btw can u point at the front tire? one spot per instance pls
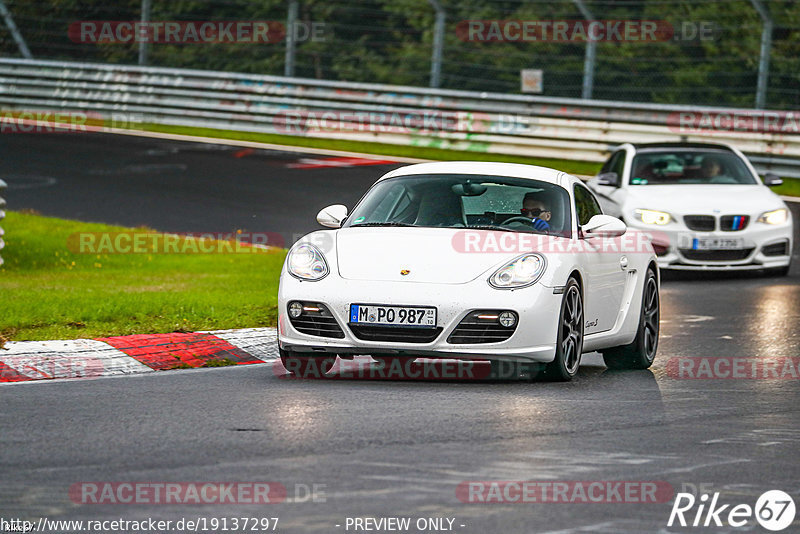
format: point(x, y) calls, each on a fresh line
point(569, 343)
point(641, 353)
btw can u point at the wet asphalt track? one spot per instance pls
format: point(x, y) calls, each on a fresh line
point(382, 448)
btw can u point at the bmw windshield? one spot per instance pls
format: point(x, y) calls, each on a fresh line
point(466, 201)
point(689, 167)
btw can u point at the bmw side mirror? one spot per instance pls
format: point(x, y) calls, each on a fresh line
point(771, 179)
point(604, 226)
point(332, 216)
point(608, 178)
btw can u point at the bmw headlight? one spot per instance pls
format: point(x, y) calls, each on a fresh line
point(306, 262)
point(778, 216)
point(520, 272)
point(653, 217)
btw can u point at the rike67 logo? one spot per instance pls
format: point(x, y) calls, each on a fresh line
point(774, 510)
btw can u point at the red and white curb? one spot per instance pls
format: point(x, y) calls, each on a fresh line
point(24, 361)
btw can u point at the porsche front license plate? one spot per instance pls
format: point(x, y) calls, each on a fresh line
point(717, 243)
point(392, 315)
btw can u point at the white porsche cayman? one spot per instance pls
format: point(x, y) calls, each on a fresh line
point(471, 261)
point(703, 203)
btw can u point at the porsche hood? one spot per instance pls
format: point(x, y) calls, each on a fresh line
point(428, 255)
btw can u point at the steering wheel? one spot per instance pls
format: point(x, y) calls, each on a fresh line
point(518, 219)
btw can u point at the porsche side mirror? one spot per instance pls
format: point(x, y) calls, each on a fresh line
point(604, 226)
point(771, 179)
point(608, 178)
point(332, 216)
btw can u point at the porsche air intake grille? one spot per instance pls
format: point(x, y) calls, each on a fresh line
point(733, 223)
point(399, 334)
point(700, 223)
point(316, 320)
point(481, 327)
point(716, 255)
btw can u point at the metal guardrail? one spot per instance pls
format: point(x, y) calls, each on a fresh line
point(2, 216)
point(558, 128)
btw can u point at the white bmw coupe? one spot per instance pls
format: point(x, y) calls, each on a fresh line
point(703, 203)
point(471, 261)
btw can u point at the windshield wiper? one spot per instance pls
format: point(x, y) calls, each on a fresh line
point(490, 227)
point(381, 224)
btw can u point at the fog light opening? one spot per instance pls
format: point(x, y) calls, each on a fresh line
point(295, 310)
point(507, 319)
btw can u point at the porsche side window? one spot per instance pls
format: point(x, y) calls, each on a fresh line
point(585, 204)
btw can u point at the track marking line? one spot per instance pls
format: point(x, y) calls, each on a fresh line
point(314, 163)
point(256, 144)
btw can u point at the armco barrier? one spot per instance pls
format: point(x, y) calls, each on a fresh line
point(2, 216)
point(558, 128)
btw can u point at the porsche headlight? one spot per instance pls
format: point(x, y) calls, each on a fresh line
point(653, 217)
point(306, 262)
point(520, 272)
point(778, 216)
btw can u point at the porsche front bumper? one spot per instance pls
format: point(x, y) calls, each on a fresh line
point(533, 340)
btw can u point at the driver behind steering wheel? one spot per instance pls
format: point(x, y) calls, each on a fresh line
point(537, 211)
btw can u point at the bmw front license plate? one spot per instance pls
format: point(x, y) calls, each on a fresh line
point(716, 243)
point(392, 315)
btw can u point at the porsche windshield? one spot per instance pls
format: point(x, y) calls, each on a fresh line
point(466, 201)
point(689, 167)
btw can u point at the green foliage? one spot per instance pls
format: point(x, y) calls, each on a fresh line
point(390, 41)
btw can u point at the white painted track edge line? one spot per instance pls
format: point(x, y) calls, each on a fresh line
point(257, 144)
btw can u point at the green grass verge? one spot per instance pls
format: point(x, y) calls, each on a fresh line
point(51, 292)
point(383, 149)
point(790, 187)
